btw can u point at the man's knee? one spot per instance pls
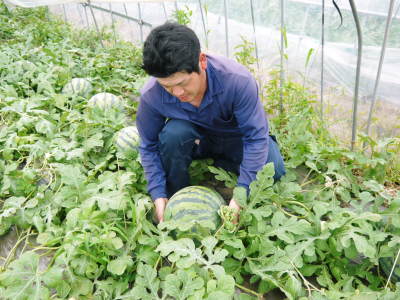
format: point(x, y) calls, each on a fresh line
point(177, 133)
point(275, 157)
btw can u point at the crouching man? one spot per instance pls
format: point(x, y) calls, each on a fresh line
point(198, 106)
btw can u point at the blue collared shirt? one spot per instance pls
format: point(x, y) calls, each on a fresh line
point(230, 106)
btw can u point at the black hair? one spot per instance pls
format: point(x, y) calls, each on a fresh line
point(171, 48)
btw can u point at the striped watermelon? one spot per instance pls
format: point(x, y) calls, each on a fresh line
point(105, 101)
point(127, 139)
point(386, 264)
point(78, 86)
point(194, 204)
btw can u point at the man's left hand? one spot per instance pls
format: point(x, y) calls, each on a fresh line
point(233, 204)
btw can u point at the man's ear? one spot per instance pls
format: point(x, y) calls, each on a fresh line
point(203, 61)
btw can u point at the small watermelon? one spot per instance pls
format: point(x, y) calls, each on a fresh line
point(25, 65)
point(105, 100)
point(386, 264)
point(127, 139)
point(78, 86)
point(194, 203)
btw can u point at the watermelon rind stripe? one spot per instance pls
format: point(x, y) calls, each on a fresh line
point(212, 197)
point(208, 190)
point(131, 132)
point(80, 85)
point(195, 206)
point(189, 218)
point(186, 199)
point(120, 137)
point(191, 212)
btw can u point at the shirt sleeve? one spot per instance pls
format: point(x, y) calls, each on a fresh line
point(150, 123)
point(253, 124)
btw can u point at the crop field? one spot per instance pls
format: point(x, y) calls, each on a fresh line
point(76, 221)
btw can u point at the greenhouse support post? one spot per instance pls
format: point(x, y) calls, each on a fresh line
point(382, 57)
point(129, 22)
point(356, 88)
point(204, 23)
point(260, 85)
point(226, 28)
point(140, 22)
point(80, 13)
point(254, 32)
point(165, 10)
point(112, 23)
point(282, 72)
point(65, 13)
point(322, 59)
point(95, 23)
point(86, 15)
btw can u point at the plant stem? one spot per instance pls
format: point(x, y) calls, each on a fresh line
point(393, 267)
point(248, 290)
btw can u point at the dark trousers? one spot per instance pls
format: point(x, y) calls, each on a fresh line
point(179, 146)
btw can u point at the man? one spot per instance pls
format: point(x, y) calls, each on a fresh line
point(198, 106)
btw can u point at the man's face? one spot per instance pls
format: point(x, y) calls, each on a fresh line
point(186, 87)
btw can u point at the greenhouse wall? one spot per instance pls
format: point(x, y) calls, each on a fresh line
point(302, 48)
point(223, 26)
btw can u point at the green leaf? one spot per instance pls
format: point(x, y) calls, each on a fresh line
point(119, 265)
point(183, 284)
point(182, 252)
point(293, 286)
point(23, 279)
point(287, 229)
point(259, 187)
point(360, 241)
point(309, 53)
point(146, 284)
point(240, 195)
point(230, 179)
point(45, 127)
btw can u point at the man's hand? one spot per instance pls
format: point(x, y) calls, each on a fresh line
point(233, 204)
point(160, 204)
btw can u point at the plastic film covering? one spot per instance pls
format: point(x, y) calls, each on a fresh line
point(303, 19)
point(35, 3)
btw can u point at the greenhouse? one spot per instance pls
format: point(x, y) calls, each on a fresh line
point(199, 149)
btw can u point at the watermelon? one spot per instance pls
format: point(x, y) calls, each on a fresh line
point(127, 139)
point(25, 65)
point(78, 86)
point(105, 100)
point(194, 204)
point(386, 264)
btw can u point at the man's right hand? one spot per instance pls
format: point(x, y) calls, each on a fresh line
point(160, 204)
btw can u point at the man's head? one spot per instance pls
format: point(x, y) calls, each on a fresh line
point(171, 48)
point(171, 53)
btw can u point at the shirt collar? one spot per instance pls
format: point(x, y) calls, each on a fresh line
point(214, 85)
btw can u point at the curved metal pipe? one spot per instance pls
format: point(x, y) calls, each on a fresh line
point(282, 71)
point(226, 28)
point(140, 22)
point(129, 23)
point(378, 74)
point(112, 23)
point(95, 24)
point(356, 88)
point(204, 23)
point(322, 59)
point(254, 32)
